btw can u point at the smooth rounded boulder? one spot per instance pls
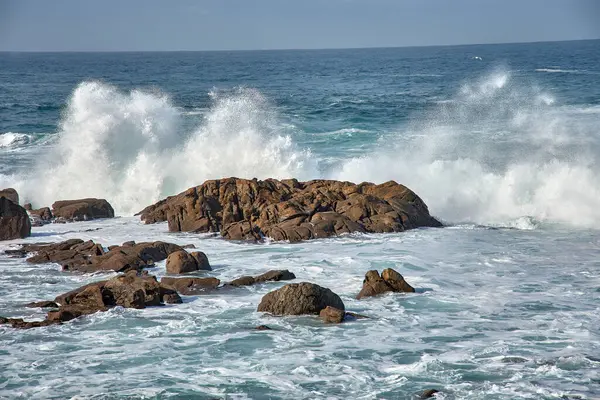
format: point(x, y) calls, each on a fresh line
point(82, 209)
point(10, 194)
point(298, 299)
point(14, 220)
point(181, 262)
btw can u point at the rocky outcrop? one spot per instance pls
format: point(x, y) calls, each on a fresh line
point(82, 209)
point(77, 255)
point(274, 275)
point(14, 220)
point(298, 299)
point(244, 209)
point(190, 286)
point(130, 290)
point(389, 281)
point(41, 216)
point(181, 262)
point(11, 194)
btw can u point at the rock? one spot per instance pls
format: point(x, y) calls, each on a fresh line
point(11, 194)
point(42, 304)
point(170, 296)
point(82, 209)
point(27, 206)
point(427, 394)
point(274, 275)
point(190, 286)
point(263, 328)
point(133, 291)
point(201, 260)
point(244, 209)
point(76, 255)
point(44, 214)
point(189, 246)
point(389, 281)
point(332, 315)
point(19, 323)
point(14, 220)
point(299, 298)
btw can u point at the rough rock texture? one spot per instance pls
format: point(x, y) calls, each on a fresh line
point(10, 194)
point(429, 393)
point(335, 316)
point(299, 298)
point(14, 220)
point(181, 262)
point(190, 286)
point(77, 255)
point(82, 209)
point(274, 275)
point(389, 281)
point(130, 290)
point(244, 209)
point(44, 214)
point(42, 304)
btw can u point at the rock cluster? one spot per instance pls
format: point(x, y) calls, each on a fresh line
point(389, 281)
point(77, 255)
point(181, 262)
point(242, 209)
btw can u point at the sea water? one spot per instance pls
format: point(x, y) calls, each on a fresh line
point(501, 141)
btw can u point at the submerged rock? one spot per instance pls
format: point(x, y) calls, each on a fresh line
point(427, 394)
point(273, 275)
point(14, 220)
point(298, 299)
point(82, 209)
point(334, 315)
point(244, 209)
point(389, 281)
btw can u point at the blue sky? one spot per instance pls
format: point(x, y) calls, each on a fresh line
point(146, 25)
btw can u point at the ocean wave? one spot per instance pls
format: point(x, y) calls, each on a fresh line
point(11, 140)
point(562, 71)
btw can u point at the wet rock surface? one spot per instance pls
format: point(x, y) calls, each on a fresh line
point(389, 281)
point(298, 299)
point(273, 275)
point(244, 209)
point(82, 209)
point(14, 220)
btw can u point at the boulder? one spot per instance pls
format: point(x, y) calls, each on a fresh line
point(19, 323)
point(429, 393)
point(82, 209)
point(14, 220)
point(11, 194)
point(389, 281)
point(77, 255)
point(242, 209)
point(44, 214)
point(263, 328)
point(274, 275)
point(190, 286)
point(181, 262)
point(298, 299)
point(332, 315)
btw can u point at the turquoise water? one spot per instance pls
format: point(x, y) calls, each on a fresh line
point(501, 141)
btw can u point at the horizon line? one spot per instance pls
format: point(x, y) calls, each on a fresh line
point(301, 48)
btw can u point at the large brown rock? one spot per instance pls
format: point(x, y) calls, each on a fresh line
point(77, 255)
point(190, 286)
point(82, 209)
point(44, 214)
point(274, 275)
point(11, 194)
point(243, 209)
point(181, 262)
point(299, 298)
point(14, 220)
point(389, 281)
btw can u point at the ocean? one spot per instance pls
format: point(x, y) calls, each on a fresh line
point(501, 141)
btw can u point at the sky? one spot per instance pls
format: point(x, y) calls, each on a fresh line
point(165, 25)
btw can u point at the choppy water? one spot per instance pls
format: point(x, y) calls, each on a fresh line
point(504, 149)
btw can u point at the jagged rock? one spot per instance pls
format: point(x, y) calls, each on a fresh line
point(181, 262)
point(77, 255)
point(19, 323)
point(42, 304)
point(44, 214)
point(190, 286)
point(82, 209)
point(14, 220)
point(299, 298)
point(389, 281)
point(11, 194)
point(274, 275)
point(244, 209)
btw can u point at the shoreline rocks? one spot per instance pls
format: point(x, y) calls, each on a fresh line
point(242, 209)
point(181, 262)
point(389, 281)
point(82, 209)
point(269, 276)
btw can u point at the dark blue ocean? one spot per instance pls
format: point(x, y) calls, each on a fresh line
point(501, 141)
